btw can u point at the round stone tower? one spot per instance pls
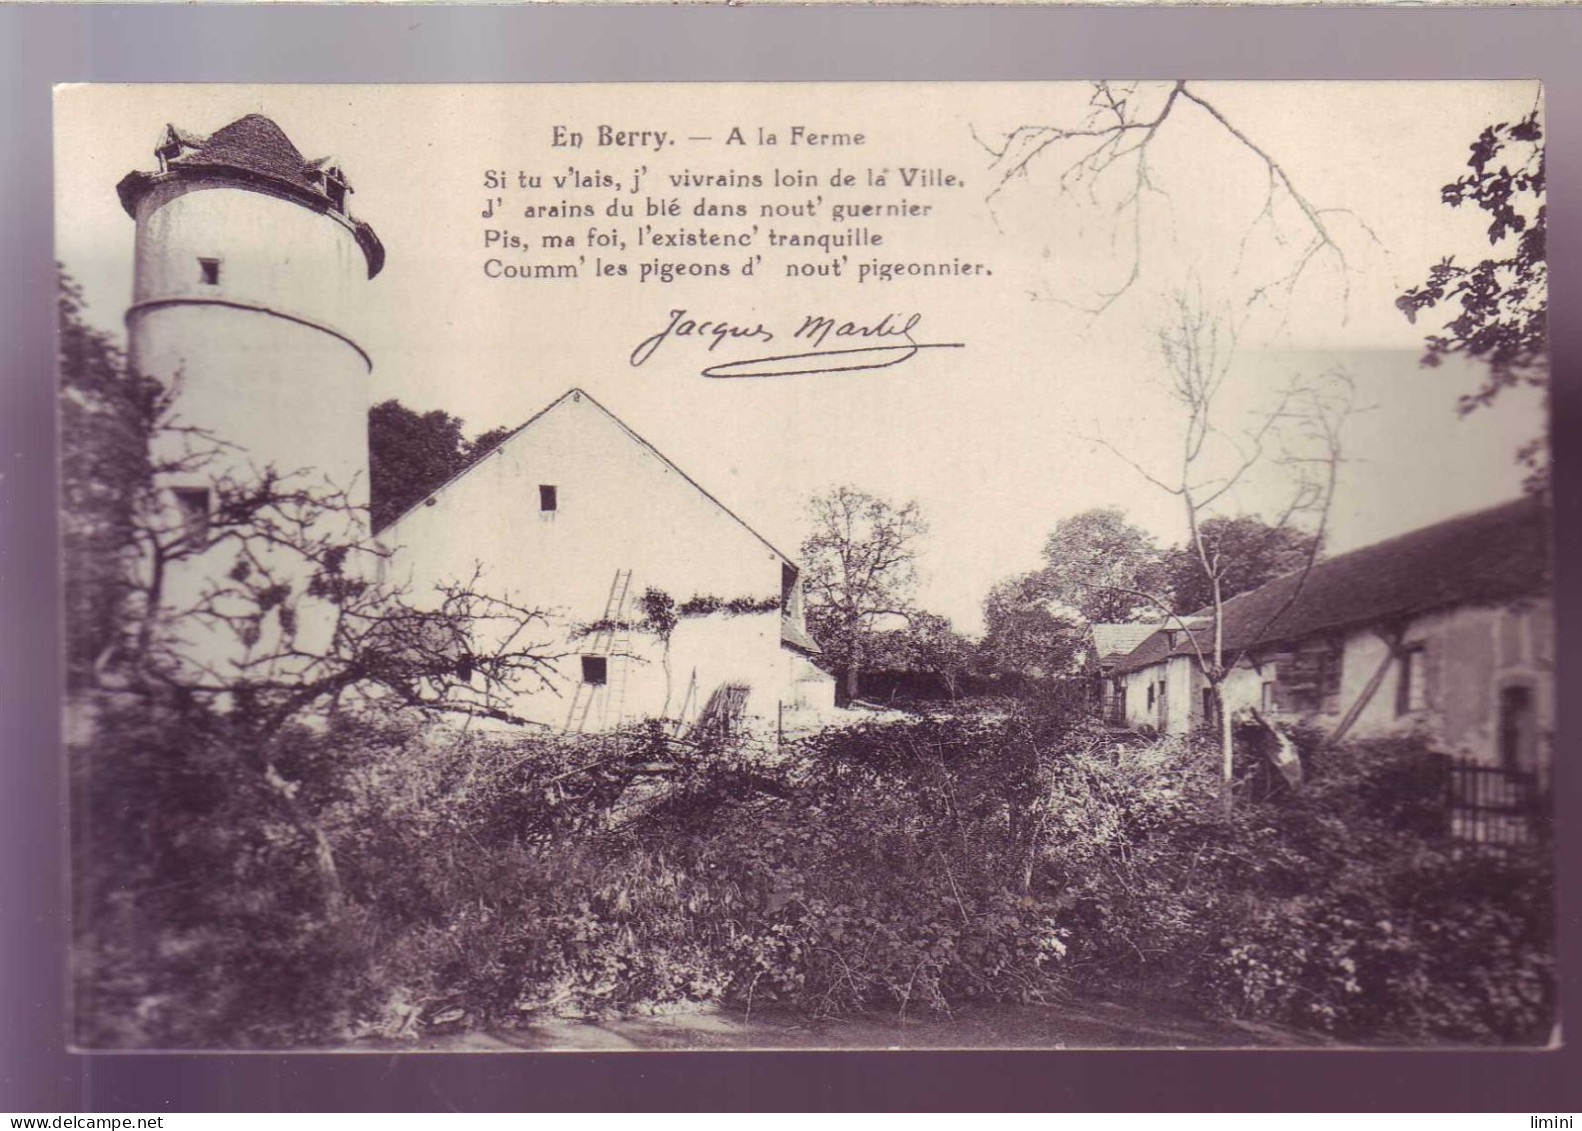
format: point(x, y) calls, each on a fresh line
point(247, 258)
point(246, 261)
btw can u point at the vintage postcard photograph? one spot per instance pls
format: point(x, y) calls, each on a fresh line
point(807, 566)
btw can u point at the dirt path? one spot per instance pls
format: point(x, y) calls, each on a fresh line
point(1092, 1025)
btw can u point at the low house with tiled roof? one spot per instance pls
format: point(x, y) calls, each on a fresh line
point(659, 600)
point(1112, 643)
point(1446, 630)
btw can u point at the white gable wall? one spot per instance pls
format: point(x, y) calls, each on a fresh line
point(618, 506)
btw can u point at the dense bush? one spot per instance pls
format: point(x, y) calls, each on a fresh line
point(890, 875)
point(382, 875)
point(198, 914)
point(480, 879)
point(1342, 906)
point(1366, 918)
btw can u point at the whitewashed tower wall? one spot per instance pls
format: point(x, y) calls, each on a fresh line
point(246, 262)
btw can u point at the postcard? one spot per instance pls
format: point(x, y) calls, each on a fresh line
point(804, 565)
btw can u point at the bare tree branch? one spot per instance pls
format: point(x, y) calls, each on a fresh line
point(1117, 134)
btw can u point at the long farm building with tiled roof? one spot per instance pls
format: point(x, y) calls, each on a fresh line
point(1445, 631)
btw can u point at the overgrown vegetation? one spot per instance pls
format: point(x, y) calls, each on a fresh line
point(908, 867)
point(659, 612)
point(1343, 907)
point(292, 851)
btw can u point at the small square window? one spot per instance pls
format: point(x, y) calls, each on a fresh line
point(193, 505)
point(209, 272)
point(595, 670)
point(546, 498)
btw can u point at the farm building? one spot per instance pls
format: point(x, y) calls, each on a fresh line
point(1111, 644)
point(1447, 630)
point(578, 515)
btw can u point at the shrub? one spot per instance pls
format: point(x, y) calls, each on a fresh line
point(484, 879)
point(1372, 920)
point(1343, 906)
point(891, 876)
point(1450, 948)
point(198, 916)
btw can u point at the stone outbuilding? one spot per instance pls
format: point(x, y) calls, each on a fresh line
point(1447, 630)
point(576, 514)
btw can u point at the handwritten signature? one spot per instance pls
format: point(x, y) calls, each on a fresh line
point(814, 331)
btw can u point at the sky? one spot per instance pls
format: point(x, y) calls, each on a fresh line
point(996, 441)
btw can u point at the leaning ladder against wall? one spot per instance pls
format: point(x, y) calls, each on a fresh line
point(612, 639)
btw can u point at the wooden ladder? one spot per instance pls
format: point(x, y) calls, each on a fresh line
point(612, 632)
point(619, 664)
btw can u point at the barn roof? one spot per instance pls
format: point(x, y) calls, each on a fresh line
point(1119, 639)
point(790, 633)
point(579, 395)
point(255, 150)
point(1480, 558)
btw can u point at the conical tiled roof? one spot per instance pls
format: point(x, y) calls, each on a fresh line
point(253, 144)
point(254, 151)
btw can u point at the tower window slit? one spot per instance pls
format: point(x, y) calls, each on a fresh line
point(209, 272)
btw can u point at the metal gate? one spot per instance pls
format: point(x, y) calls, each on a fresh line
point(1492, 805)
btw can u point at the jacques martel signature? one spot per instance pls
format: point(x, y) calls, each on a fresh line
point(893, 332)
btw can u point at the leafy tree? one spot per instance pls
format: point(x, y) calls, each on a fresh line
point(938, 647)
point(1249, 552)
point(1502, 301)
point(860, 571)
point(1102, 566)
point(104, 409)
point(410, 454)
point(1027, 632)
point(927, 643)
point(485, 442)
